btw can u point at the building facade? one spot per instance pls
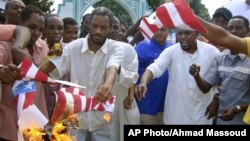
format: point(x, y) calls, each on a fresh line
point(77, 8)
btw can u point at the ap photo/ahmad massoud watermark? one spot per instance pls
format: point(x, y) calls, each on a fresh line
point(132, 131)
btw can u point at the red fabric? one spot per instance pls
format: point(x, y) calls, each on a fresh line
point(146, 28)
point(29, 69)
point(179, 15)
point(72, 100)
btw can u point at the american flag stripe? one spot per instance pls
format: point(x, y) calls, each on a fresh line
point(147, 29)
point(72, 90)
point(111, 100)
point(22, 101)
point(83, 102)
point(60, 108)
point(68, 103)
point(25, 65)
point(178, 14)
point(32, 72)
point(190, 21)
point(163, 17)
point(77, 103)
point(88, 104)
point(147, 26)
point(29, 99)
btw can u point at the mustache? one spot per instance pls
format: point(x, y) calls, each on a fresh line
point(97, 35)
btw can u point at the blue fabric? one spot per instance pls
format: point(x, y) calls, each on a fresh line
point(24, 87)
point(153, 102)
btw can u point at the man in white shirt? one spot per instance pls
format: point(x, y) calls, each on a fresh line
point(126, 110)
point(92, 62)
point(184, 102)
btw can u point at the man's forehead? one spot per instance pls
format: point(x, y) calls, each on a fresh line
point(183, 30)
point(12, 2)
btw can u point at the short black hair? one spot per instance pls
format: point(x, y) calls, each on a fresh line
point(245, 20)
point(69, 21)
point(28, 10)
point(47, 18)
point(84, 17)
point(103, 11)
point(9, 3)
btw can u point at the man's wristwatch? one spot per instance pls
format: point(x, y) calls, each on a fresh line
point(238, 109)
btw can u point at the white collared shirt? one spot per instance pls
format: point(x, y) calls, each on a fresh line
point(88, 69)
point(184, 102)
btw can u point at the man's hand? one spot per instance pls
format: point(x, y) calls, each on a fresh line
point(212, 108)
point(103, 93)
point(128, 102)
point(228, 114)
point(194, 70)
point(10, 73)
point(140, 91)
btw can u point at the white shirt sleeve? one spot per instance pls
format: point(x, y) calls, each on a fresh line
point(161, 63)
point(62, 63)
point(116, 56)
point(129, 69)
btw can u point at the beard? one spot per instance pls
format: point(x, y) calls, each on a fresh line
point(97, 39)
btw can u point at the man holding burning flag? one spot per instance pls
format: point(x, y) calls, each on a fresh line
point(93, 62)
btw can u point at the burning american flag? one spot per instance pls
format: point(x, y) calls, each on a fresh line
point(71, 100)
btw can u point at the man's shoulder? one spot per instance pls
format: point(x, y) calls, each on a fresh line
point(209, 46)
point(6, 44)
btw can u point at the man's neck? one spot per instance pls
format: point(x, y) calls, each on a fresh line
point(93, 46)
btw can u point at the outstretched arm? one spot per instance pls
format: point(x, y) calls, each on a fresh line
point(141, 89)
point(104, 91)
point(47, 67)
point(220, 36)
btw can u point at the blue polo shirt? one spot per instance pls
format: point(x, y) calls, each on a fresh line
point(153, 102)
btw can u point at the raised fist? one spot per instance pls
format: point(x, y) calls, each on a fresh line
point(194, 70)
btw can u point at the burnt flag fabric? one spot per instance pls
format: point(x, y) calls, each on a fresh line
point(71, 100)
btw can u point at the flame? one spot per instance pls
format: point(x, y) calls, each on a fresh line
point(107, 117)
point(60, 133)
point(33, 134)
point(55, 132)
point(72, 121)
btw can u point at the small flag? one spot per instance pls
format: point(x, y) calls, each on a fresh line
point(31, 72)
point(23, 93)
point(147, 27)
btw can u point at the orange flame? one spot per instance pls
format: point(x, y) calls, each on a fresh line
point(33, 134)
point(107, 117)
point(59, 133)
